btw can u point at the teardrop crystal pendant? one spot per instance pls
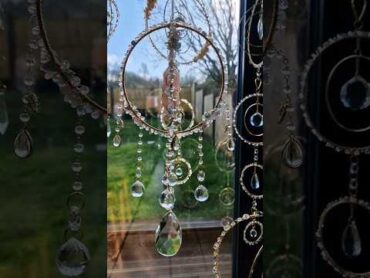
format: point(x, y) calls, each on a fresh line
point(201, 193)
point(260, 28)
point(293, 153)
point(117, 141)
point(4, 119)
point(255, 182)
point(23, 144)
point(351, 241)
point(256, 120)
point(168, 236)
point(137, 189)
point(72, 258)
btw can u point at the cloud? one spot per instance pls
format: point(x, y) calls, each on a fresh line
point(114, 61)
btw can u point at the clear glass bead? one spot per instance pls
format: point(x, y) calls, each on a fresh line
point(201, 193)
point(72, 258)
point(167, 199)
point(137, 189)
point(201, 176)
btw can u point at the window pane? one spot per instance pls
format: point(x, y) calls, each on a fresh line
point(133, 221)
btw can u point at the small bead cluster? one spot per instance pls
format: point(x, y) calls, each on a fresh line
point(138, 188)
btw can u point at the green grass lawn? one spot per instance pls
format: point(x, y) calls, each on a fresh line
point(121, 174)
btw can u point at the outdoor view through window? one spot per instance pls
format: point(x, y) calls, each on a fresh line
point(137, 158)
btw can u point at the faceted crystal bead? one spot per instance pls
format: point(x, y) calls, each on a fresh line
point(77, 186)
point(167, 199)
point(76, 166)
point(256, 120)
point(226, 221)
point(138, 173)
point(172, 179)
point(23, 144)
point(79, 129)
point(351, 240)
point(165, 180)
point(74, 222)
point(78, 148)
point(24, 117)
point(72, 258)
point(137, 189)
point(201, 193)
point(227, 196)
point(201, 176)
point(355, 94)
point(168, 236)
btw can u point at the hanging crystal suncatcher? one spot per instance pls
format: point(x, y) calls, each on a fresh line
point(346, 102)
point(174, 126)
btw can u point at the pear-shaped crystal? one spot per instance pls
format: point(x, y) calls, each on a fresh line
point(256, 120)
point(137, 189)
point(4, 119)
point(260, 28)
point(109, 129)
point(201, 193)
point(117, 140)
point(72, 258)
point(293, 153)
point(167, 199)
point(255, 181)
point(23, 144)
point(351, 241)
point(168, 236)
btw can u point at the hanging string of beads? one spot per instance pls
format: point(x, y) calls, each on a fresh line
point(23, 143)
point(73, 256)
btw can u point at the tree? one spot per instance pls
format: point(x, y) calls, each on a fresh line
point(223, 19)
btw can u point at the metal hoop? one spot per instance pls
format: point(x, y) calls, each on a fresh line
point(327, 88)
point(241, 180)
point(319, 236)
point(57, 63)
point(133, 111)
point(245, 140)
point(302, 95)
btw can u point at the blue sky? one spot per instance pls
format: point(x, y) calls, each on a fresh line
point(131, 23)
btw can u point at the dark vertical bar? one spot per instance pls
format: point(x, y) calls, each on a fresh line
point(243, 254)
point(312, 160)
point(237, 252)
